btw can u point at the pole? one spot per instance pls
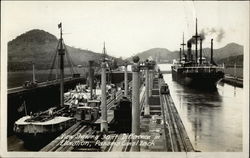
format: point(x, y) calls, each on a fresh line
point(61, 54)
point(189, 45)
point(104, 123)
point(180, 55)
point(147, 110)
point(91, 79)
point(33, 72)
point(57, 65)
point(183, 44)
point(200, 51)
point(135, 104)
point(196, 42)
point(211, 58)
point(126, 80)
point(150, 83)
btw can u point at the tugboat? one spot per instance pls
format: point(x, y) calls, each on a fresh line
point(197, 73)
point(39, 128)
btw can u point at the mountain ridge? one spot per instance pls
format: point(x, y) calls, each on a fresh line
point(229, 50)
point(39, 47)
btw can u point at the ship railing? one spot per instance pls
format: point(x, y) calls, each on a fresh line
point(203, 69)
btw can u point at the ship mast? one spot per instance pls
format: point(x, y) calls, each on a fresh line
point(196, 41)
point(183, 44)
point(61, 52)
point(180, 55)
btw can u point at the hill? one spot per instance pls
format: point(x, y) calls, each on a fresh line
point(164, 55)
point(39, 47)
point(231, 49)
point(230, 61)
point(158, 54)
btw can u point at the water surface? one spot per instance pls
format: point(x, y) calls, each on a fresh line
point(213, 120)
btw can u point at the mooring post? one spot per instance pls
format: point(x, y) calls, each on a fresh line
point(104, 123)
point(135, 104)
point(125, 80)
point(146, 109)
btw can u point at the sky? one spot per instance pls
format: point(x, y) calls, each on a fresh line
point(129, 27)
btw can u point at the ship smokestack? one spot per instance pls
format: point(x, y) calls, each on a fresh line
point(212, 60)
point(200, 51)
point(189, 45)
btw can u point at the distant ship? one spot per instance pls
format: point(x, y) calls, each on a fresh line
point(199, 72)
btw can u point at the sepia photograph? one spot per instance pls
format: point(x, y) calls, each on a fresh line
point(124, 79)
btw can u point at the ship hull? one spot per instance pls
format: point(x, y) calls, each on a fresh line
point(198, 80)
point(35, 135)
point(36, 142)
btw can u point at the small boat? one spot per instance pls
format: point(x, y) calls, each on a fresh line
point(39, 128)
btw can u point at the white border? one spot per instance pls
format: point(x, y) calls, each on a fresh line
point(3, 116)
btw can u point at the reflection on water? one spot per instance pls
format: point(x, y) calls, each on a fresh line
point(213, 120)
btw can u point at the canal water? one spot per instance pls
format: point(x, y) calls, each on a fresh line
point(16, 79)
point(213, 120)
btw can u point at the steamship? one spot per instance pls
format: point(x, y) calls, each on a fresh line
point(196, 71)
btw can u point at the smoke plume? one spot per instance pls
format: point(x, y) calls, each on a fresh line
point(218, 34)
point(191, 40)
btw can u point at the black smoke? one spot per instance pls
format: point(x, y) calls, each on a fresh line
point(217, 33)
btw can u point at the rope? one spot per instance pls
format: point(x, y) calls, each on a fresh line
point(67, 57)
point(70, 61)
